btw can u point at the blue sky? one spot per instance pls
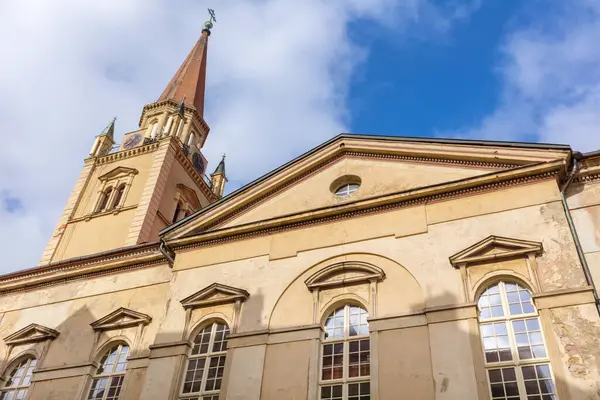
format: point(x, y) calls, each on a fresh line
point(283, 76)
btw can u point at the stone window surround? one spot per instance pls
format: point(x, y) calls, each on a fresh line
point(114, 179)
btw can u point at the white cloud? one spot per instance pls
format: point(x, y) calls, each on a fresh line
point(278, 76)
point(551, 75)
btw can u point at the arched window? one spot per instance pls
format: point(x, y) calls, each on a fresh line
point(103, 200)
point(108, 379)
point(178, 209)
point(206, 362)
point(191, 139)
point(118, 196)
point(346, 355)
point(516, 358)
point(154, 130)
point(19, 379)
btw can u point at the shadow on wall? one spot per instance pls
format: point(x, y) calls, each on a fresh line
point(503, 380)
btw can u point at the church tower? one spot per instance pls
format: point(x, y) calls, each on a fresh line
point(126, 194)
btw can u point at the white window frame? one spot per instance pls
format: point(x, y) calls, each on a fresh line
point(112, 373)
point(345, 380)
point(507, 318)
point(7, 389)
point(207, 357)
point(347, 189)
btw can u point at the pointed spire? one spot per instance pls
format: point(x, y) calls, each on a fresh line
point(221, 167)
point(191, 76)
point(110, 129)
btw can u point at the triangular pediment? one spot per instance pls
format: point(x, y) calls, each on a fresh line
point(384, 167)
point(495, 248)
point(214, 294)
point(190, 195)
point(344, 273)
point(31, 333)
point(117, 173)
point(121, 318)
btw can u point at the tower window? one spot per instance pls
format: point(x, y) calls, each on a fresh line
point(118, 196)
point(103, 200)
point(515, 353)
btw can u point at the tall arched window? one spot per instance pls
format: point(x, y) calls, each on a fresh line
point(18, 381)
point(154, 130)
point(346, 355)
point(108, 379)
point(515, 353)
point(103, 200)
point(206, 363)
point(118, 196)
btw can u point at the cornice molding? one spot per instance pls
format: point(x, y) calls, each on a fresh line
point(355, 154)
point(30, 334)
point(82, 268)
point(168, 102)
point(380, 204)
point(344, 273)
point(123, 154)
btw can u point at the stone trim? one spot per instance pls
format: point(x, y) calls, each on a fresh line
point(321, 279)
point(170, 349)
point(87, 273)
point(214, 294)
point(30, 334)
point(472, 254)
point(587, 178)
point(64, 371)
point(121, 318)
point(274, 336)
point(356, 154)
point(123, 154)
point(386, 203)
point(564, 298)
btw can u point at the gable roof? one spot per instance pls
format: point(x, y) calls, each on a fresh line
point(501, 154)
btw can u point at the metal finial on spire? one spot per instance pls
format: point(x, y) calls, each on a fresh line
point(209, 24)
point(110, 128)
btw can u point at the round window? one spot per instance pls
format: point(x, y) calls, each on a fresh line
point(347, 189)
point(345, 185)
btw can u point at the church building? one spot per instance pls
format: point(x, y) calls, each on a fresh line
point(370, 267)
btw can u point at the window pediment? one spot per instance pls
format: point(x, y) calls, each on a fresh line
point(344, 273)
point(214, 294)
point(118, 173)
point(121, 318)
point(495, 248)
point(190, 196)
point(30, 334)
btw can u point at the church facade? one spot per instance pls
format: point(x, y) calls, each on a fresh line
point(367, 268)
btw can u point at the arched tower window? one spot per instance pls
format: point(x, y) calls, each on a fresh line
point(19, 379)
point(103, 200)
point(108, 379)
point(154, 130)
point(206, 363)
point(178, 209)
point(118, 196)
point(346, 356)
point(516, 357)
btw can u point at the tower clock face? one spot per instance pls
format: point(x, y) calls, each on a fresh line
point(198, 163)
point(132, 141)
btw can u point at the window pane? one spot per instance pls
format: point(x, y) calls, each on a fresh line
point(537, 380)
point(503, 383)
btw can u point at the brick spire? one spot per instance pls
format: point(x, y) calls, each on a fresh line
point(189, 82)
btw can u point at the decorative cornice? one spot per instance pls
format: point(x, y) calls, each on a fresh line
point(168, 102)
point(99, 264)
point(355, 154)
point(335, 275)
point(121, 318)
point(279, 224)
point(479, 252)
point(30, 334)
point(587, 178)
point(213, 295)
point(123, 154)
point(191, 171)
